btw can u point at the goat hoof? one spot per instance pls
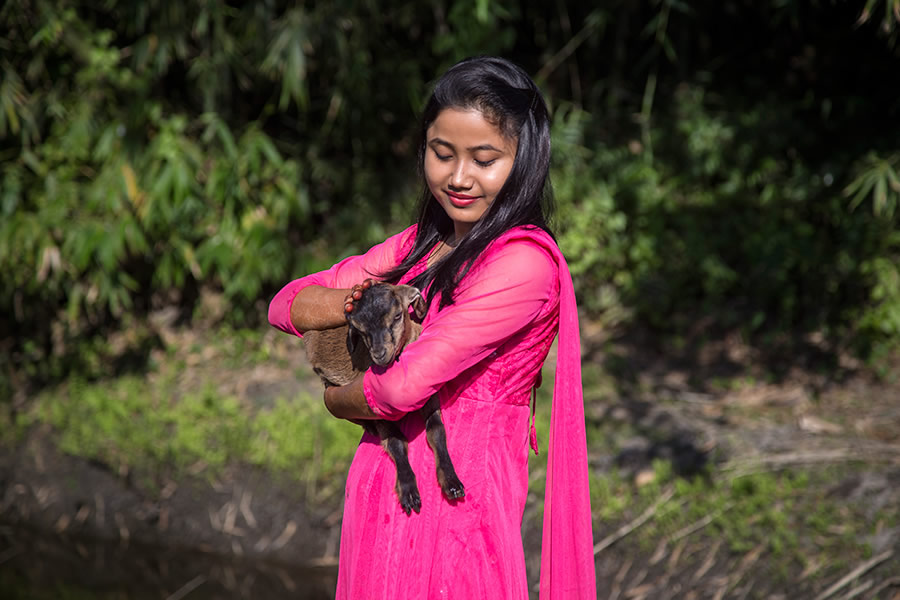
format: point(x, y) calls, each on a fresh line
point(410, 501)
point(454, 489)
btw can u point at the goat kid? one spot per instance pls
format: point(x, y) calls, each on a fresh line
point(380, 319)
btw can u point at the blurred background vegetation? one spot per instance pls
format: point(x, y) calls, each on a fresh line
point(724, 170)
point(733, 165)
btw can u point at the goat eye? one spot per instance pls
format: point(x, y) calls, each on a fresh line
point(398, 317)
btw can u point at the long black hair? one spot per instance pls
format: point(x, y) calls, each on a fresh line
point(507, 97)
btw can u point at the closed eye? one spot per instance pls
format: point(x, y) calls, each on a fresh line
point(485, 163)
point(442, 157)
point(398, 317)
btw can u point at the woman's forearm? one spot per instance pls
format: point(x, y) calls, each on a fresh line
point(349, 401)
point(317, 307)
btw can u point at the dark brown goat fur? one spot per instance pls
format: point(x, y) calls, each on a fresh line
point(381, 321)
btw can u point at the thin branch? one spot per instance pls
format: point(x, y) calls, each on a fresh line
point(749, 466)
point(566, 51)
point(863, 568)
point(858, 590)
point(893, 581)
point(629, 527)
point(698, 525)
point(187, 588)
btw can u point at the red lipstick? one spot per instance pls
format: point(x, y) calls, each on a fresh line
point(461, 200)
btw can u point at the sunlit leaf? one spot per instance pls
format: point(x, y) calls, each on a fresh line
point(877, 179)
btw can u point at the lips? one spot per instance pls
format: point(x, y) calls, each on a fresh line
point(461, 200)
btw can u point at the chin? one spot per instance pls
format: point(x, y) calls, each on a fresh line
point(464, 215)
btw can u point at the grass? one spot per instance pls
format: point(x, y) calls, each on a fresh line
point(176, 420)
point(783, 516)
point(127, 424)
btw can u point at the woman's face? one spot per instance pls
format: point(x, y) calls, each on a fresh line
point(467, 161)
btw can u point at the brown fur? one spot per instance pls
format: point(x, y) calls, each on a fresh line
point(381, 320)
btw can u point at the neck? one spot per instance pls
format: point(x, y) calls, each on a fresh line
point(459, 230)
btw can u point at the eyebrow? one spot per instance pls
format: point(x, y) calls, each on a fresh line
point(443, 142)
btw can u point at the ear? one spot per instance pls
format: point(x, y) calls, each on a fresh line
point(413, 297)
point(353, 338)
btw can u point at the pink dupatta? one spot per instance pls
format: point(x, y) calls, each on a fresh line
point(567, 547)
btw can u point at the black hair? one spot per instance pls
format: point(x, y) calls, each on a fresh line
point(507, 97)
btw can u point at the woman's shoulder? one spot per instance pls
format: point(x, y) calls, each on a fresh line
point(521, 253)
point(525, 243)
point(404, 239)
point(397, 245)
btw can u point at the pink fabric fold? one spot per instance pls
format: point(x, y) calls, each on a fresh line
point(567, 547)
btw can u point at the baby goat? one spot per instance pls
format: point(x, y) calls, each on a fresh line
point(381, 320)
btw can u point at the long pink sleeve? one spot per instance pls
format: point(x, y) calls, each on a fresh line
point(344, 274)
point(502, 293)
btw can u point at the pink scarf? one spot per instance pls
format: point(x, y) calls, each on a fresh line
point(567, 548)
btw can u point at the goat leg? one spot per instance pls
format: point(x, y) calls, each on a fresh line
point(395, 445)
point(437, 439)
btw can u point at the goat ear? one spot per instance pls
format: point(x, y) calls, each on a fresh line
point(413, 297)
point(353, 339)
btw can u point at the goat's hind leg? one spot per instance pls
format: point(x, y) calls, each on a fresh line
point(437, 439)
point(395, 445)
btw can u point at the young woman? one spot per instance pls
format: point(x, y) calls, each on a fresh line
point(498, 291)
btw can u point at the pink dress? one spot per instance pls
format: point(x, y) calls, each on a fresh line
point(482, 356)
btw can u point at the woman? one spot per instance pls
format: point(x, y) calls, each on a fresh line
point(498, 291)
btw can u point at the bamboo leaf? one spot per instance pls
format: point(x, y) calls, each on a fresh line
point(880, 195)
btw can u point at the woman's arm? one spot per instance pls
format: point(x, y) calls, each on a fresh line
point(497, 299)
point(318, 307)
point(349, 401)
point(299, 305)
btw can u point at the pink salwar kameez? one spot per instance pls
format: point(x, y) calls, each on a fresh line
point(482, 355)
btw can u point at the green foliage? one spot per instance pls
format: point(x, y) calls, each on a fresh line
point(292, 434)
point(878, 178)
point(122, 425)
point(610, 496)
point(593, 233)
point(887, 16)
point(711, 223)
point(130, 425)
point(780, 513)
point(151, 149)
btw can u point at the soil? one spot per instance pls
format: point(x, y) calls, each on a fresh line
point(69, 523)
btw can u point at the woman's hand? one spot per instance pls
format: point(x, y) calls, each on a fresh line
point(356, 293)
point(317, 307)
point(349, 401)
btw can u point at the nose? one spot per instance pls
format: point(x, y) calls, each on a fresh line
point(379, 356)
point(459, 178)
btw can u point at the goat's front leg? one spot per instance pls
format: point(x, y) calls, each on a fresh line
point(437, 439)
point(395, 444)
